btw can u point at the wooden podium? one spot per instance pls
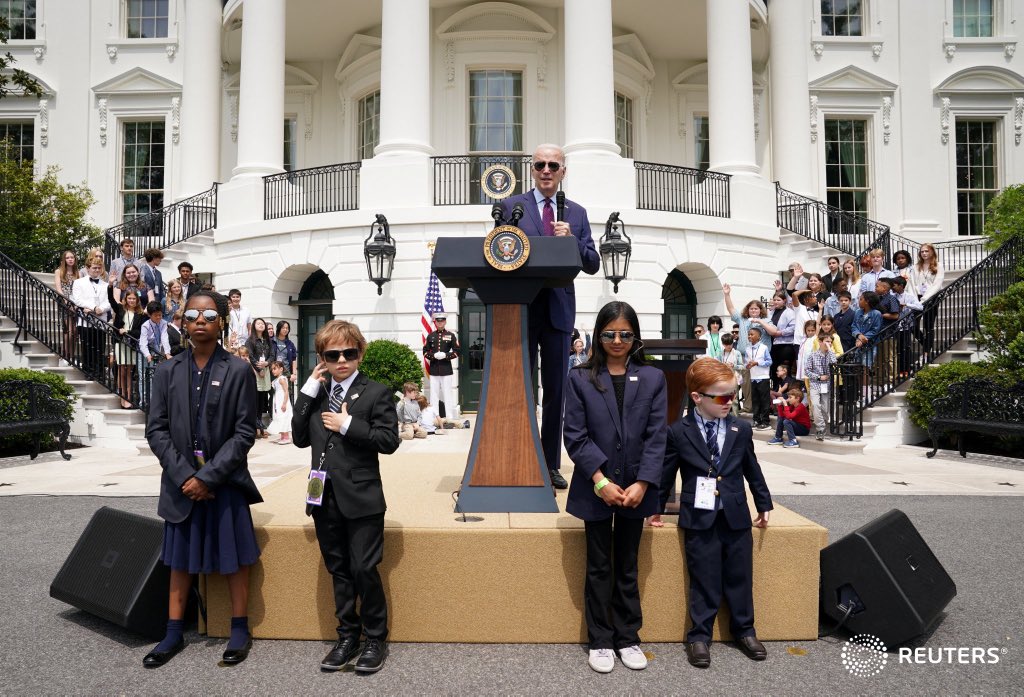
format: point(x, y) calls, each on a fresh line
point(505, 469)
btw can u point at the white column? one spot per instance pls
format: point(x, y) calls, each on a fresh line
point(405, 78)
point(789, 26)
point(261, 90)
point(730, 88)
point(589, 78)
point(201, 97)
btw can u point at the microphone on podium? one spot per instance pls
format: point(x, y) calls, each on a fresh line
point(517, 213)
point(560, 205)
point(496, 213)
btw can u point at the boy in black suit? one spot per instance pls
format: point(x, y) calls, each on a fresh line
point(348, 420)
point(714, 452)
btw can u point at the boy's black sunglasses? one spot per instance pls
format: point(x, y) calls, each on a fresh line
point(350, 354)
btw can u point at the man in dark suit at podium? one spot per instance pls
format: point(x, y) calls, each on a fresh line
point(552, 314)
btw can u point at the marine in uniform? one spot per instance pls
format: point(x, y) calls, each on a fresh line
point(440, 349)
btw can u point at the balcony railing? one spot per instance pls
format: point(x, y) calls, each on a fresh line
point(315, 190)
point(168, 225)
point(457, 177)
point(682, 190)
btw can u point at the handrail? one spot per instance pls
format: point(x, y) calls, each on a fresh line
point(677, 189)
point(324, 189)
point(457, 177)
point(907, 345)
point(169, 225)
point(854, 235)
point(57, 324)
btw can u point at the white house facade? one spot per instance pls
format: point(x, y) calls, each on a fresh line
point(906, 112)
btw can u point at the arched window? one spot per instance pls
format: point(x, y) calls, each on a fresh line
point(680, 306)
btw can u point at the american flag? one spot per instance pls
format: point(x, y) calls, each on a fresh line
point(431, 304)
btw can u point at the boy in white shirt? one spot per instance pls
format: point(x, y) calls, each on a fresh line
point(758, 360)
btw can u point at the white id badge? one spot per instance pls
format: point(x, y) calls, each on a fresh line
point(823, 389)
point(704, 497)
point(315, 487)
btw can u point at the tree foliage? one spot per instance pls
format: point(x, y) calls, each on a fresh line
point(1001, 333)
point(14, 81)
point(41, 217)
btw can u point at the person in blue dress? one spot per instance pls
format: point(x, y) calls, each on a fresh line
point(615, 431)
point(201, 427)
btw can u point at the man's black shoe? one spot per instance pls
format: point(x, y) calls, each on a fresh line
point(557, 480)
point(374, 654)
point(343, 652)
point(234, 656)
point(698, 654)
point(155, 659)
point(753, 648)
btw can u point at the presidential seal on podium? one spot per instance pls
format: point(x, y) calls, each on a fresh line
point(498, 182)
point(506, 248)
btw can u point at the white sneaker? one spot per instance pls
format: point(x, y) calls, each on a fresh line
point(633, 657)
point(602, 660)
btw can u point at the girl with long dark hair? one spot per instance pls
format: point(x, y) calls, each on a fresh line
point(614, 432)
point(261, 353)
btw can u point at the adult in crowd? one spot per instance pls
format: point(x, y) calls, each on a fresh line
point(239, 320)
point(797, 279)
point(698, 332)
point(90, 296)
point(927, 278)
point(751, 314)
point(579, 354)
point(440, 349)
point(851, 272)
point(174, 301)
point(713, 337)
point(64, 277)
point(261, 353)
point(346, 499)
point(151, 275)
point(831, 306)
point(869, 279)
point(615, 424)
point(714, 453)
point(202, 436)
point(131, 279)
point(552, 314)
point(834, 274)
point(128, 319)
point(781, 326)
point(285, 351)
point(189, 283)
point(127, 258)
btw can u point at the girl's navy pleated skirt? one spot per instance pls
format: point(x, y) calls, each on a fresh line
point(216, 538)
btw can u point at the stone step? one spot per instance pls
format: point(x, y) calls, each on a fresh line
point(84, 387)
point(124, 417)
point(882, 414)
point(101, 402)
point(41, 360)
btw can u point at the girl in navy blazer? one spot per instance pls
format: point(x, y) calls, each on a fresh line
point(614, 433)
point(201, 428)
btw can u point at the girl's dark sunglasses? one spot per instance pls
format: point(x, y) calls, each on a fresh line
point(350, 354)
point(193, 315)
point(609, 337)
point(553, 166)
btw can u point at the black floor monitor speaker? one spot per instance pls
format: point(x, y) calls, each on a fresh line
point(886, 571)
point(115, 572)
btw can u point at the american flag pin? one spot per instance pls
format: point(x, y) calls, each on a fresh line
point(355, 396)
point(215, 383)
point(734, 428)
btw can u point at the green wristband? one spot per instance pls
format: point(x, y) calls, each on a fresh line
point(600, 485)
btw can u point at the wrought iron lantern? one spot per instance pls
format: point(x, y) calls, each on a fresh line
point(379, 250)
point(616, 248)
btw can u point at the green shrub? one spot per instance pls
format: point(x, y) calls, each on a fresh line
point(60, 389)
point(934, 381)
point(1001, 333)
point(1004, 218)
point(392, 364)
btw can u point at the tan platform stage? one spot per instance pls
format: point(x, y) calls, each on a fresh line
point(508, 578)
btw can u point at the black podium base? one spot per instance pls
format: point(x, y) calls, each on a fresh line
point(506, 499)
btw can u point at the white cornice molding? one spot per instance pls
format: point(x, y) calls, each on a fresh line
point(362, 51)
point(496, 21)
point(987, 79)
point(136, 81)
point(852, 79)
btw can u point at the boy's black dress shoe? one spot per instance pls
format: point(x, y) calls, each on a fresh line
point(375, 652)
point(698, 654)
point(557, 480)
point(343, 652)
point(155, 659)
point(753, 648)
point(235, 656)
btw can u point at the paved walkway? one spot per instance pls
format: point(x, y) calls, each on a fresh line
point(900, 471)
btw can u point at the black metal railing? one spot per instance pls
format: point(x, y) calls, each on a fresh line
point(314, 190)
point(166, 226)
point(682, 190)
point(85, 342)
point(854, 235)
point(457, 177)
point(862, 376)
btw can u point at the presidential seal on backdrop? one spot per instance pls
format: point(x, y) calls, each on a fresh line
point(506, 248)
point(498, 182)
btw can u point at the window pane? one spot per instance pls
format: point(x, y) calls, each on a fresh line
point(495, 111)
point(847, 174)
point(368, 136)
point(142, 170)
point(977, 172)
